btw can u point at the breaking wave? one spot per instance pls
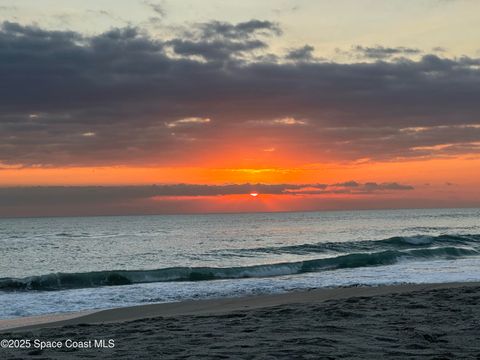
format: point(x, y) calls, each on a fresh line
point(394, 243)
point(60, 281)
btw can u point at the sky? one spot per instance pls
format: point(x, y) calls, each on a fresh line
point(156, 107)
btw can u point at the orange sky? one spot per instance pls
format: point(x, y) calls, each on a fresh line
point(211, 111)
point(461, 170)
point(437, 183)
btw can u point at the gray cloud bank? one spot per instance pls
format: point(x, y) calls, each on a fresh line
point(69, 99)
point(381, 52)
point(69, 199)
point(14, 196)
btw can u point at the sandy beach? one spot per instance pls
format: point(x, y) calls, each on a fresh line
point(439, 321)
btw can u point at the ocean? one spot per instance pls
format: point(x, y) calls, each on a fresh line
point(55, 265)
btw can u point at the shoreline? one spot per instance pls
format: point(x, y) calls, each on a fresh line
point(434, 321)
point(215, 306)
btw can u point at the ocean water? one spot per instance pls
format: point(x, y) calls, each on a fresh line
point(52, 265)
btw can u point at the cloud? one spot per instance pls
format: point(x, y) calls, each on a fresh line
point(304, 53)
point(216, 49)
point(350, 187)
point(371, 186)
point(242, 30)
point(348, 184)
point(51, 195)
point(157, 8)
point(288, 121)
point(124, 86)
point(381, 52)
point(439, 49)
point(217, 40)
point(187, 121)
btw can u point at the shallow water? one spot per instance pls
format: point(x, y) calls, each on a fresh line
point(64, 264)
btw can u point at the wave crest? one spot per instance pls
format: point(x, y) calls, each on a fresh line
point(393, 243)
point(60, 281)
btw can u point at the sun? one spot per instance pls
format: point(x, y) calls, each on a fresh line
point(254, 194)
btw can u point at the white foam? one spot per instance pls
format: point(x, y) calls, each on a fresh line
point(38, 303)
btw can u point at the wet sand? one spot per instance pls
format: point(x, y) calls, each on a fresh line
point(438, 321)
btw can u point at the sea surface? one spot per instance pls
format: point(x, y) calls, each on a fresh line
point(54, 265)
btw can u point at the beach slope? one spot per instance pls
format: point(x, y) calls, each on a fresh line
point(439, 321)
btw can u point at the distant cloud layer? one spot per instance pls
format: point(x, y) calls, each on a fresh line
point(380, 52)
point(123, 97)
point(50, 195)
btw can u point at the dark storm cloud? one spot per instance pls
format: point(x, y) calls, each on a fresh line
point(72, 99)
point(51, 195)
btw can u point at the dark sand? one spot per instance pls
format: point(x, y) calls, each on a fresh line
point(409, 321)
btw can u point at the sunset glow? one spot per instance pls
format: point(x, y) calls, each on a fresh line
point(388, 123)
point(196, 178)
